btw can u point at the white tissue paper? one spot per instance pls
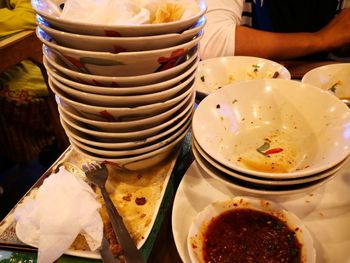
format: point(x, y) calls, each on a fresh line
point(122, 12)
point(63, 207)
point(106, 12)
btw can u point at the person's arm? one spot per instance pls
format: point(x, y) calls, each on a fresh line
point(21, 17)
point(258, 43)
point(219, 32)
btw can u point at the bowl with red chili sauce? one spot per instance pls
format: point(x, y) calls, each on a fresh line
point(245, 229)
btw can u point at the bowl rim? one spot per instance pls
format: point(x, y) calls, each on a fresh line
point(163, 115)
point(199, 24)
point(120, 55)
point(126, 134)
point(123, 98)
point(150, 109)
point(135, 151)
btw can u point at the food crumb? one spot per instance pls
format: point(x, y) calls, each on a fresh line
point(275, 75)
point(140, 200)
point(202, 78)
point(142, 215)
point(127, 197)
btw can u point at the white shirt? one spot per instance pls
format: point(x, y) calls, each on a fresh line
point(219, 33)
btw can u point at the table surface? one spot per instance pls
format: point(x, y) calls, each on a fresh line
point(164, 249)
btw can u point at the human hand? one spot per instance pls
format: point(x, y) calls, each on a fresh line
point(337, 32)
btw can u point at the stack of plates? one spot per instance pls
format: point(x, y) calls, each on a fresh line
point(271, 137)
point(125, 92)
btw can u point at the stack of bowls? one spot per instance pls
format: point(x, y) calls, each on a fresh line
point(271, 137)
point(124, 92)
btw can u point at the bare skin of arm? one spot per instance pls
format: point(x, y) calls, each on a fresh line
point(291, 45)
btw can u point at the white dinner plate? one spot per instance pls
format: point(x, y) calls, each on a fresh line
point(325, 212)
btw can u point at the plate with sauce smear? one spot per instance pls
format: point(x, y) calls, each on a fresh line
point(245, 229)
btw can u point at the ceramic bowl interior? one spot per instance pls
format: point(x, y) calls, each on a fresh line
point(215, 73)
point(273, 128)
point(198, 228)
point(334, 78)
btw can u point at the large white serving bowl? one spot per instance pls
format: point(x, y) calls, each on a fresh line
point(120, 44)
point(50, 11)
point(334, 78)
point(132, 125)
point(123, 101)
point(266, 181)
point(121, 91)
point(56, 62)
point(132, 152)
point(89, 140)
point(121, 64)
point(121, 113)
point(113, 136)
point(139, 162)
point(215, 73)
point(238, 123)
point(198, 228)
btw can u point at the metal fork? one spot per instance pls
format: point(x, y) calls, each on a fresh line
point(98, 174)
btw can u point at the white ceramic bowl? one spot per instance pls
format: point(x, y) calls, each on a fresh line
point(334, 78)
point(254, 189)
point(215, 73)
point(125, 126)
point(54, 61)
point(121, 91)
point(138, 162)
point(122, 113)
point(265, 181)
point(200, 224)
point(132, 152)
point(50, 11)
point(89, 140)
point(242, 125)
point(121, 64)
point(120, 44)
point(122, 136)
point(123, 101)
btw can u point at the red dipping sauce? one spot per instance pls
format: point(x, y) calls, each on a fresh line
point(247, 235)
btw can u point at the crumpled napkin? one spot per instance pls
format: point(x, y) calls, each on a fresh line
point(106, 12)
point(63, 207)
point(128, 12)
